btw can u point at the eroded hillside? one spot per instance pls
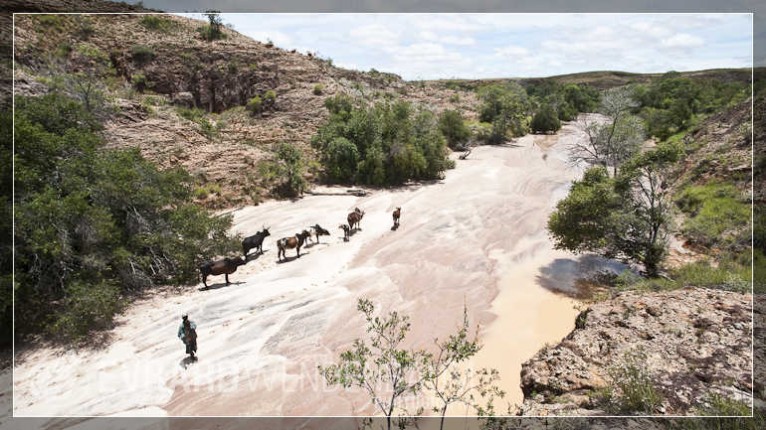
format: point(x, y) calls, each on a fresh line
point(181, 99)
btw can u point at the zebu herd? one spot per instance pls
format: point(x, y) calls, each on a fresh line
point(228, 265)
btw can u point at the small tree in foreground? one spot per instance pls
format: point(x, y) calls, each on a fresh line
point(388, 372)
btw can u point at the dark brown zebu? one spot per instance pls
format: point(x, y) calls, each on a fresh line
point(226, 267)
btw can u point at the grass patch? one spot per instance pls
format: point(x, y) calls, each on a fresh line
point(198, 116)
point(732, 274)
point(716, 214)
point(631, 390)
point(718, 405)
point(142, 54)
point(158, 23)
point(203, 191)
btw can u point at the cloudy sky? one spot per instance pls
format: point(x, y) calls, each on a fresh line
point(433, 46)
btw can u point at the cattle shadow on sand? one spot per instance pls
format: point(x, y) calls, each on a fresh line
point(289, 259)
point(254, 256)
point(219, 286)
point(313, 244)
point(186, 362)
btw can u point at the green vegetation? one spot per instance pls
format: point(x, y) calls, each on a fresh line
point(716, 214)
point(389, 372)
point(158, 23)
point(93, 225)
point(625, 216)
point(199, 117)
point(139, 82)
point(288, 168)
point(545, 121)
point(255, 105)
point(454, 129)
point(506, 107)
point(718, 405)
point(394, 142)
point(732, 274)
point(630, 389)
point(142, 54)
point(55, 22)
point(671, 103)
point(261, 103)
point(6, 227)
point(318, 89)
point(214, 29)
point(565, 100)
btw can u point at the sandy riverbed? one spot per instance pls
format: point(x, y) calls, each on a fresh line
point(476, 238)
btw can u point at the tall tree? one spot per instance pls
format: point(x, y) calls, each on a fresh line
point(625, 217)
point(614, 139)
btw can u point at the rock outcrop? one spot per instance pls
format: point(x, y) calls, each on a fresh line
point(696, 342)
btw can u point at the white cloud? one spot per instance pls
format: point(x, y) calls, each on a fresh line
point(497, 45)
point(376, 35)
point(511, 51)
point(682, 40)
point(431, 36)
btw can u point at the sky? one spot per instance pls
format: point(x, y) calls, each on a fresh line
point(468, 46)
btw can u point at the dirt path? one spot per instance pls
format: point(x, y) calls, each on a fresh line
point(476, 238)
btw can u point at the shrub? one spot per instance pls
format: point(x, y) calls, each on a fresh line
point(318, 89)
point(255, 105)
point(631, 390)
point(157, 23)
point(545, 120)
point(716, 215)
point(395, 142)
point(453, 128)
point(51, 21)
point(142, 54)
point(269, 99)
point(139, 82)
point(109, 222)
point(88, 306)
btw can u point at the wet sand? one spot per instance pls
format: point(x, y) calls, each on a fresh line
point(476, 238)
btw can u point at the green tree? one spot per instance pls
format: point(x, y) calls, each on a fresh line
point(545, 120)
point(93, 224)
point(213, 31)
point(611, 142)
point(625, 217)
point(453, 128)
point(506, 106)
point(288, 165)
point(342, 160)
point(388, 371)
point(381, 366)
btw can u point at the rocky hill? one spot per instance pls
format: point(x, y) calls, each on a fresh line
point(178, 70)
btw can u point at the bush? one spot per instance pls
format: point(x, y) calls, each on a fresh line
point(318, 89)
point(545, 120)
point(395, 142)
point(255, 105)
point(87, 307)
point(717, 216)
point(139, 82)
point(157, 23)
point(109, 222)
point(631, 390)
point(453, 128)
point(142, 54)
